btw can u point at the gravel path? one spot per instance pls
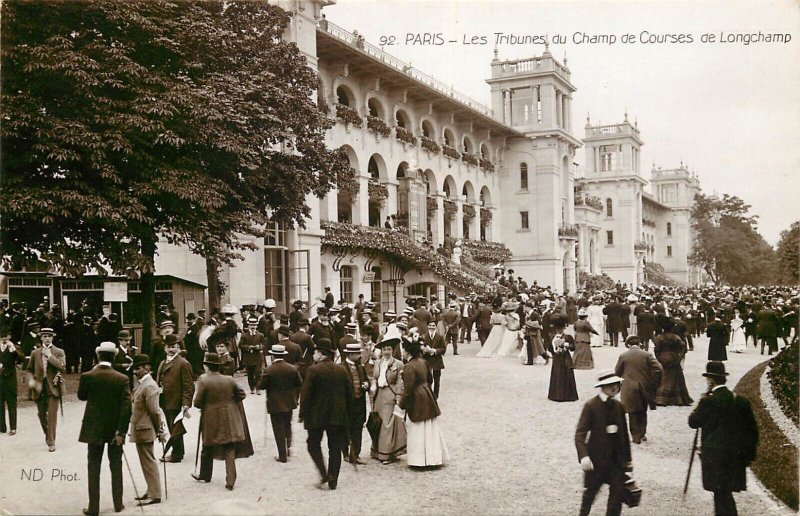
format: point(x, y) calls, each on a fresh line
point(512, 452)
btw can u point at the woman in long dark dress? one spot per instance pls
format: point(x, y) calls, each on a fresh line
point(670, 350)
point(562, 376)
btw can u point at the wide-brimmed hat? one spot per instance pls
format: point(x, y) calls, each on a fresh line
point(607, 377)
point(353, 348)
point(278, 349)
point(715, 369)
point(212, 359)
point(392, 341)
point(325, 346)
point(124, 334)
point(402, 325)
point(106, 347)
point(141, 360)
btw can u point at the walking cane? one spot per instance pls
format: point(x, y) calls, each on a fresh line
point(197, 450)
point(130, 473)
point(163, 454)
point(691, 461)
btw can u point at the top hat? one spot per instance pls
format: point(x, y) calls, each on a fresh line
point(123, 334)
point(352, 348)
point(106, 347)
point(140, 360)
point(607, 377)
point(278, 349)
point(715, 369)
point(325, 346)
point(212, 359)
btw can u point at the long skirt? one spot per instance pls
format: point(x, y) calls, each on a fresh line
point(738, 340)
point(583, 358)
point(392, 439)
point(509, 345)
point(492, 341)
point(673, 390)
point(426, 446)
point(562, 379)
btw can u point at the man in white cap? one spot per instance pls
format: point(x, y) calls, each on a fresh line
point(46, 365)
point(282, 383)
point(105, 421)
point(606, 457)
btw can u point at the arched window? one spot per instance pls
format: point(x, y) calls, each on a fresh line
point(372, 168)
point(523, 176)
point(342, 97)
point(375, 108)
point(669, 228)
point(448, 138)
point(609, 208)
point(427, 129)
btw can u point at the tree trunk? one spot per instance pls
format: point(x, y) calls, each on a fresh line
point(214, 291)
point(148, 289)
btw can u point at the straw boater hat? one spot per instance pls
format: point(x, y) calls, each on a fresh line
point(106, 347)
point(353, 348)
point(252, 320)
point(165, 324)
point(228, 310)
point(408, 311)
point(715, 369)
point(278, 349)
point(607, 377)
point(47, 331)
point(351, 326)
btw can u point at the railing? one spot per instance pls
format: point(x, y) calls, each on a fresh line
point(380, 55)
point(568, 230)
point(535, 64)
point(640, 246)
point(603, 130)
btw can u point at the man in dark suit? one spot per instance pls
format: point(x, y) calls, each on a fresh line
point(304, 340)
point(46, 366)
point(467, 311)
point(293, 352)
point(10, 356)
point(769, 324)
point(483, 321)
point(191, 340)
point(357, 416)
point(329, 300)
point(728, 441)
point(87, 343)
point(123, 360)
point(615, 324)
point(282, 383)
point(433, 348)
point(422, 317)
point(642, 374)
point(105, 421)
point(350, 330)
point(325, 398)
point(606, 456)
point(252, 345)
point(645, 327)
point(174, 376)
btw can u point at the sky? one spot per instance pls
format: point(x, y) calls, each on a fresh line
point(728, 110)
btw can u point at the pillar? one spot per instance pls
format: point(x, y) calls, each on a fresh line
point(475, 230)
point(361, 211)
point(438, 225)
point(391, 202)
point(558, 109)
point(507, 107)
point(331, 202)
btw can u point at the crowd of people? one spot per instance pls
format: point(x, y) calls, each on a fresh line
point(351, 368)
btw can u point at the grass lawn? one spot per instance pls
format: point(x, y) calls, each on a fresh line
point(776, 461)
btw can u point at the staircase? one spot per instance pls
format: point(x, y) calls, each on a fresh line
point(398, 247)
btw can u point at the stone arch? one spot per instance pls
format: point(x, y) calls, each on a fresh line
point(402, 119)
point(431, 184)
point(345, 96)
point(449, 137)
point(485, 196)
point(375, 108)
point(402, 170)
point(468, 146)
point(449, 187)
point(486, 152)
point(468, 191)
point(376, 167)
point(428, 128)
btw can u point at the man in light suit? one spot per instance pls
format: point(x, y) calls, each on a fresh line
point(642, 374)
point(105, 421)
point(177, 389)
point(282, 383)
point(46, 366)
point(147, 425)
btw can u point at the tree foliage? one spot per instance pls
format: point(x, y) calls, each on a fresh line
point(789, 254)
point(727, 244)
point(124, 122)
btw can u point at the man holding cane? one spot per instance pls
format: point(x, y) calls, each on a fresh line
point(105, 421)
point(146, 425)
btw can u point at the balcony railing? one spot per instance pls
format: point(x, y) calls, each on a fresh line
point(568, 231)
point(641, 245)
point(380, 55)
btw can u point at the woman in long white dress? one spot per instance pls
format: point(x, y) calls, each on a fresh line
point(495, 336)
point(596, 319)
point(509, 346)
point(738, 340)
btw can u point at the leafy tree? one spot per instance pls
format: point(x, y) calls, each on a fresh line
point(788, 254)
point(127, 122)
point(727, 244)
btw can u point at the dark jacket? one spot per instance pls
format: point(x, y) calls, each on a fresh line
point(607, 451)
point(44, 372)
point(108, 405)
point(306, 344)
point(326, 395)
point(645, 324)
point(282, 383)
point(418, 400)
point(252, 347)
point(8, 373)
point(483, 317)
point(175, 380)
point(769, 323)
point(437, 342)
point(221, 420)
point(728, 440)
point(615, 313)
